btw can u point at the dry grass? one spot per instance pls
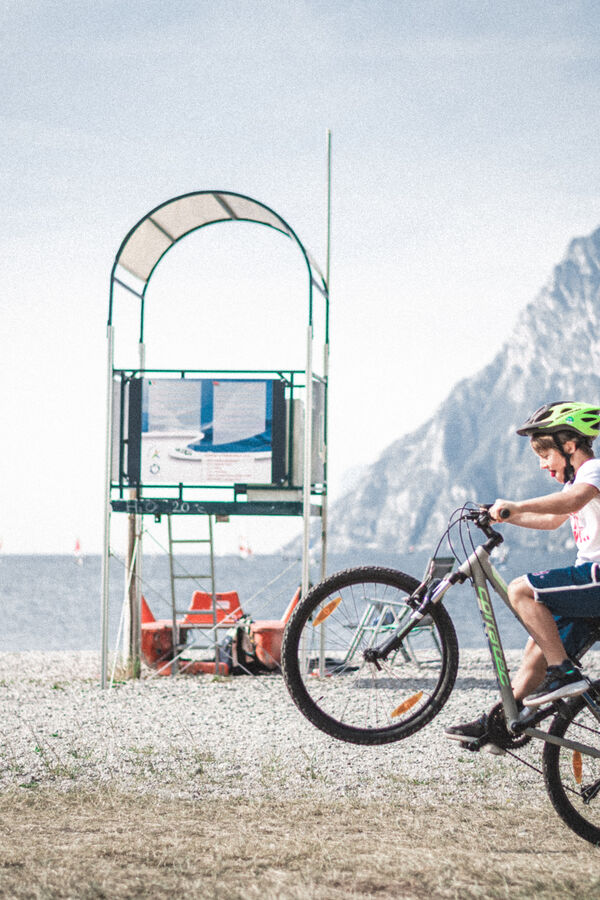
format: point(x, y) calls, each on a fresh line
point(109, 845)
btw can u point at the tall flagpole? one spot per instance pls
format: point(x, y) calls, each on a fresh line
point(326, 365)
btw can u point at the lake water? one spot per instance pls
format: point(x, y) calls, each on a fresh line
point(54, 603)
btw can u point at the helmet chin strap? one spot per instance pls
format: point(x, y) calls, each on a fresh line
point(569, 470)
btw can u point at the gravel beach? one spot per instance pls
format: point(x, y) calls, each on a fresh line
point(194, 736)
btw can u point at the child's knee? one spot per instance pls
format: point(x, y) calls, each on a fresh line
point(520, 591)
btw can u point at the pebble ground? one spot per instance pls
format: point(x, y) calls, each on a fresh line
point(194, 736)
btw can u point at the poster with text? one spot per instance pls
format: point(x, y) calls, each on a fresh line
point(211, 431)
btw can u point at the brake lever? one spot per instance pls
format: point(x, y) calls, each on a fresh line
point(484, 522)
point(483, 519)
point(483, 516)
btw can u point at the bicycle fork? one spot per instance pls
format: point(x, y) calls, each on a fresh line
point(395, 642)
point(478, 569)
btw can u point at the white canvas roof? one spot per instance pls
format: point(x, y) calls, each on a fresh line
point(155, 234)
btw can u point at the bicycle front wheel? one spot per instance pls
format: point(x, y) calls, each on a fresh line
point(573, 777)
point(332, 682)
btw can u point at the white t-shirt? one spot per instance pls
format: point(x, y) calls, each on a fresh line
point(586, 522)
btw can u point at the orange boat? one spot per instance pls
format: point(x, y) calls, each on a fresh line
point(265, 635)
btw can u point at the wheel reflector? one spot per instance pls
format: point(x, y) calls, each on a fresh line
point(577, 763)
point(327, 610)
point(408, 704)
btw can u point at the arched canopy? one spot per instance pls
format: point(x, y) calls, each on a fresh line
point(155, 234)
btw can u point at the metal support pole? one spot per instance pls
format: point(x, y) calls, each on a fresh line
point(174, 625)
point(324, 502)
point(133, 596)
point(134, 572)
point(324, 505)
point(214, 596)
point(107, 485)
point(307, 475)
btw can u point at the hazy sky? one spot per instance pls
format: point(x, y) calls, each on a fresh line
point(465, 158)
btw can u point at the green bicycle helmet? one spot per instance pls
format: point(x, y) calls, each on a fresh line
point(565, 415)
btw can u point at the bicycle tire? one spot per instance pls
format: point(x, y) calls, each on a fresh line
point(570, 776)
point(336, 688)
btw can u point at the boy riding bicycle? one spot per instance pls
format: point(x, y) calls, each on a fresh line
point(555, 606)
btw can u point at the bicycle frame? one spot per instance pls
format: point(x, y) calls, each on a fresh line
point(478, 569)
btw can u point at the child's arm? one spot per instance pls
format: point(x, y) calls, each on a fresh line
point(538, 521)
point(547, 512)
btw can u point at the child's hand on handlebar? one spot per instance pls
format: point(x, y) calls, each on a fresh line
point(502, 510)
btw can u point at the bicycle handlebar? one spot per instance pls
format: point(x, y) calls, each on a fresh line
point(481, 518)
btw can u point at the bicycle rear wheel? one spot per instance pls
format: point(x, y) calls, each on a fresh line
point(572, 777)
point(342, 693)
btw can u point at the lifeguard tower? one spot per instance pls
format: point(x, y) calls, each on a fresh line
point(210, 443)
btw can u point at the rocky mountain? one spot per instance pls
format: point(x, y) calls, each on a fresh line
point(468, 450)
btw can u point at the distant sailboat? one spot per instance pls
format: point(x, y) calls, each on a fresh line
point(244, 548)
point(78, 553)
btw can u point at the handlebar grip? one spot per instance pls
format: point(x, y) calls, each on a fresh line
point(505, 513)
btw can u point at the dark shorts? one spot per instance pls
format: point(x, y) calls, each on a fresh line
point(572, 595)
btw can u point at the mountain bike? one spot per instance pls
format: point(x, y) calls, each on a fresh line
point(370, 656)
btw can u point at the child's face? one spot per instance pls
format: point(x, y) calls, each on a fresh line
point(553, 462)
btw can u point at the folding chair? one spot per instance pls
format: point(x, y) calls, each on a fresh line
point(381, 616)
